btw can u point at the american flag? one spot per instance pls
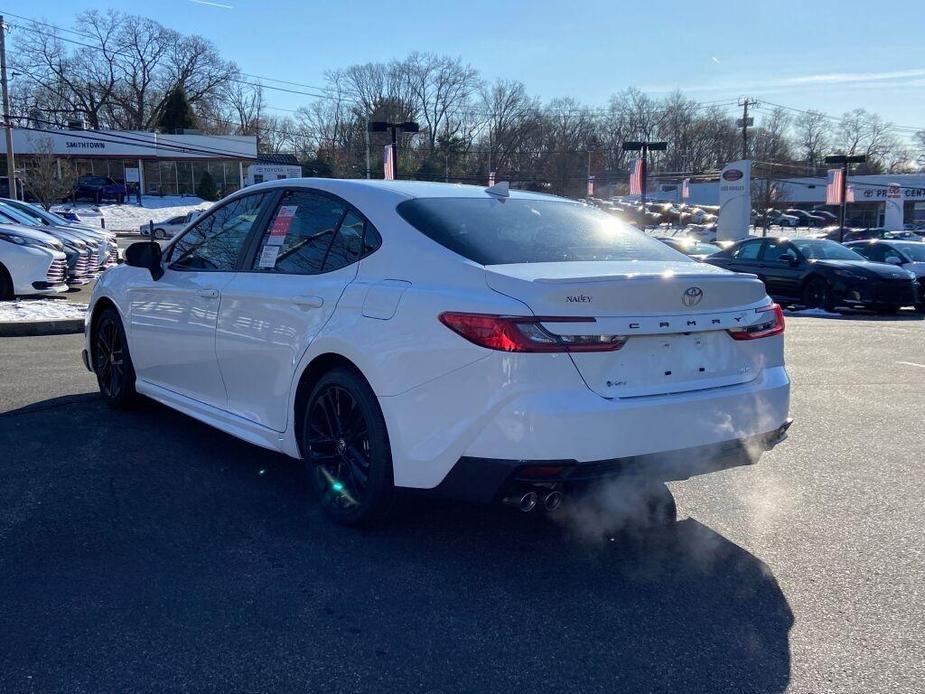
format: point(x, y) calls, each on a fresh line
point(590, 186)
point(636, 174)
point(686, 189)
point(388, 163)
point(491, 178)
point(833, 187)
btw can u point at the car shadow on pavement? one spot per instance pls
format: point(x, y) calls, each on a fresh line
point(144, 551)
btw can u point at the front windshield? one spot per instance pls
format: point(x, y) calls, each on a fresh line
point(17, 215)
point(522, 230)
point(52, 217)
point(915, 251)
point(823, 249)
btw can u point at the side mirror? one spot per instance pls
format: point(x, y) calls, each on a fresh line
point(146, 254)
point(893, 260)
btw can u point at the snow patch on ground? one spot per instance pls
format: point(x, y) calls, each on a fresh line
point(129, 216)
point(22, 310)
point(815, 312)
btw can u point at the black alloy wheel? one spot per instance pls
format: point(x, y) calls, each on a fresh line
point(818, 294)
point(345, 444)
point(111, 360)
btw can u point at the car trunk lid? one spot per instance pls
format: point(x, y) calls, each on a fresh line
point(675, 316)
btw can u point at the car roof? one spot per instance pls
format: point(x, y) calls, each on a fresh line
point(891, 242)
point(399, 189)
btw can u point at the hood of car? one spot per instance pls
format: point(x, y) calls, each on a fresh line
point(27, 232)
point(864, 267)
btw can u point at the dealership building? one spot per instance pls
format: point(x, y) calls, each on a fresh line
point(869, 192)
point(161, 164)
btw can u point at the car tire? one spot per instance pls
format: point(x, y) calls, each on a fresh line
point(159, 234)
point(6, 284)
point(346, 447)
point(112, 363)
point(818, 294)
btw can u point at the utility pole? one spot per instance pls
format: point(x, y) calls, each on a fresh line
point(8, 125)
point(745, 123)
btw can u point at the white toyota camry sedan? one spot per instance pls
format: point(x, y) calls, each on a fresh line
point(482, 343)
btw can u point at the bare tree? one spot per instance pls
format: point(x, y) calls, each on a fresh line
point(44, 179)
point(812, 137)
point(440, 88)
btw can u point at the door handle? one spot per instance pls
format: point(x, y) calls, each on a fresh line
point(311, 301)
point(208, 293)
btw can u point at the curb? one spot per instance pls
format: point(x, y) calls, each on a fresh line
point(36, 328)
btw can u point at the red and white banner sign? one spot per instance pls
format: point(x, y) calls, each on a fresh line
point(850, 194)
point(590, 186)
point(636, 175)
point(894, 191)
point(388, 163)
point(686, 189)
point(833, 187)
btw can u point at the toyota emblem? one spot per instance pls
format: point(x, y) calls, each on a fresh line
point(692, 296)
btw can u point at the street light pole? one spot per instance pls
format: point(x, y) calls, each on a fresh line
point(845, 161)
point(379, 126)
point(644, 147)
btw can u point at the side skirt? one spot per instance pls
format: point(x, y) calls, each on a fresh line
point(234, 425)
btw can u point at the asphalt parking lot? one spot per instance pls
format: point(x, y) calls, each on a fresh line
point(144, 551)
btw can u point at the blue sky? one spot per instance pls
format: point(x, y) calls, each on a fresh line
point(823, 54)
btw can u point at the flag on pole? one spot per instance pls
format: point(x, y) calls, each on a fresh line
point(833, 187)
point(636, 177)
point(491, 178)
point(590, 186)
point(686, 189)
point(388, 163)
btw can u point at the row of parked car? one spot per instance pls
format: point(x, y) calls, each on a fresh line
point(43, 253)
point(880, 274)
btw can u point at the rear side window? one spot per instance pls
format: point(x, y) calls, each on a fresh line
point(311, 233)
point(496, 232)
point(747, 251)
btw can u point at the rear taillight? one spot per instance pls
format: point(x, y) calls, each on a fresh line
point(772, 324)
point(526, 333)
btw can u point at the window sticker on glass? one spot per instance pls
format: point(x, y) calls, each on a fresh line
point(281, 225)
point(268, 257)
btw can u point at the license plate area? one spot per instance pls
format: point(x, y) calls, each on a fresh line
point(658, 364)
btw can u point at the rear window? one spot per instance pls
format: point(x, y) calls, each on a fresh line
point(498, 232)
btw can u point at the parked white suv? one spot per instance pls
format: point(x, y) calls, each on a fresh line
point(31, 262)
point(481, 343)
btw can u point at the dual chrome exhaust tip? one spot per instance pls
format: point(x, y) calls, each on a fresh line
point(528, 501)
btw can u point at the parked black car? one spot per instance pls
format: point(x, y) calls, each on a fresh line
point(819, 273)
point(807, 219)
point(99, 188)
point(909, 255)
point(865, 234)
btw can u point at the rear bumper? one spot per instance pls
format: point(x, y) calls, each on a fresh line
point(483, 480)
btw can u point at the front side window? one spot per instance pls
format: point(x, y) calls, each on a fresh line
point(216, 241)
point(518, 230)
point(871, 251)
point(775, 249)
